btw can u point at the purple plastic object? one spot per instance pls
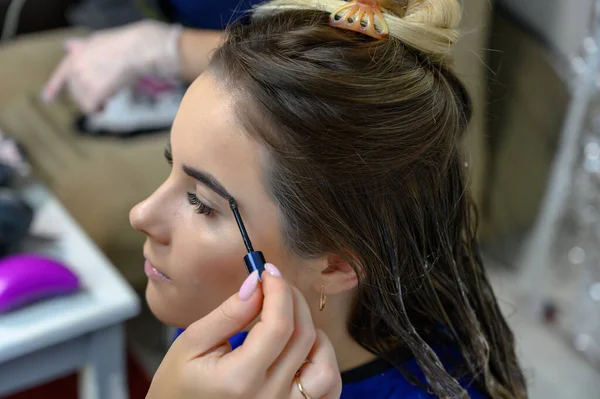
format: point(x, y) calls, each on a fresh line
point(29, 278)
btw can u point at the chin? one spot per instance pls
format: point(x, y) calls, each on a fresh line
point(161, 310)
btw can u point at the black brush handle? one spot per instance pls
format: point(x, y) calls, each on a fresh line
point(255, 260)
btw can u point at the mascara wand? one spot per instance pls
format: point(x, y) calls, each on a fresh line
point(254, 260)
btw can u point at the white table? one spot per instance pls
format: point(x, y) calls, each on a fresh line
point(82, 332)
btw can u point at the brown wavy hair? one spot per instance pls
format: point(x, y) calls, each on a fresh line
point(364, 161)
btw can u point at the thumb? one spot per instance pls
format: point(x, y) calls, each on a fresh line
point(231, 317)
point(73, 44)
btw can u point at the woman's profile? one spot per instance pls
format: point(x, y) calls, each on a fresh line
point(336, 127)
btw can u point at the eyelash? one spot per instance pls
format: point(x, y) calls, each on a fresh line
point(199, 206)
point(168, 156)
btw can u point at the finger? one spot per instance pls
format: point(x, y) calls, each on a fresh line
point(84, 85)
point(58, 79)
point(88, 90)
point(81, 92)
point(217, 327)
point(299, 346)
point(268, 338)
point(101, 91)
point(86, 95)
point(91, 89)
point(73, 44)
point(321, 377)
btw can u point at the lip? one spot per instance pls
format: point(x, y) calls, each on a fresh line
point(153, 273)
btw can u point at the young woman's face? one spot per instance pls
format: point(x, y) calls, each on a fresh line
point(194, 249)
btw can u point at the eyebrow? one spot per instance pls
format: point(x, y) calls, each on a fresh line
point(203, 177)
point(208, 180)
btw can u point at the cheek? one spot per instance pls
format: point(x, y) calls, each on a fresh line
point(213, 258)
point(206, 267)
point(267, 237)
point(270, 242)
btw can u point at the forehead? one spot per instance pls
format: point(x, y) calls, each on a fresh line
point(206, 135)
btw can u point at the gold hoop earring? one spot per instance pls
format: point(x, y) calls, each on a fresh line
point(322, 299)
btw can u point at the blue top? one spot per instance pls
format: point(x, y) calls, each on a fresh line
point(379, 380)
point(209, 14)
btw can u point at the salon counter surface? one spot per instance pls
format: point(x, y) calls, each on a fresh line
point(78, 332)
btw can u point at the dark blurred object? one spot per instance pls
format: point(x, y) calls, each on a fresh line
point(7, 175)
point(103, 14)
point(549, 312)
point(15, 214)
point(15, 218)
point(37, 15)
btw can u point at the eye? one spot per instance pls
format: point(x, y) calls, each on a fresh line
point(199, 206)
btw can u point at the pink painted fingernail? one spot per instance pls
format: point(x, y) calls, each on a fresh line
point(273, 271)
point(249, 286)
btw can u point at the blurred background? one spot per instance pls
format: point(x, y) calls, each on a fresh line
point(533, 152)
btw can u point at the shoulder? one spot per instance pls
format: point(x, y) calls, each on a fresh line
point(208, 14)
point(393, 384)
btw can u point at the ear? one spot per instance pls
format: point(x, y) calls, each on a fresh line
point(337, 277)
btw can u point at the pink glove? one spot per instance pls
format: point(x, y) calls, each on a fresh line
point(97, 67)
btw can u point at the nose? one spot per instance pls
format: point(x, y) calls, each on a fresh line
point(146, 218)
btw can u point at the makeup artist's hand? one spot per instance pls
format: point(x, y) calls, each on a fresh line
point(201, 364)
point(96, 67)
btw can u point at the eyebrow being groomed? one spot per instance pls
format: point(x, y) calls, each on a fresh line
point(203, 177)
point(208, 180)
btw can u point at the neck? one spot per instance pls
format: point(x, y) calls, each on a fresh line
point(350, 354)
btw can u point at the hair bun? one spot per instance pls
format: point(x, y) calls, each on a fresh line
point(428, 26)
point(443, 14)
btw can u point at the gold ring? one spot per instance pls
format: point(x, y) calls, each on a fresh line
point(300, 388)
